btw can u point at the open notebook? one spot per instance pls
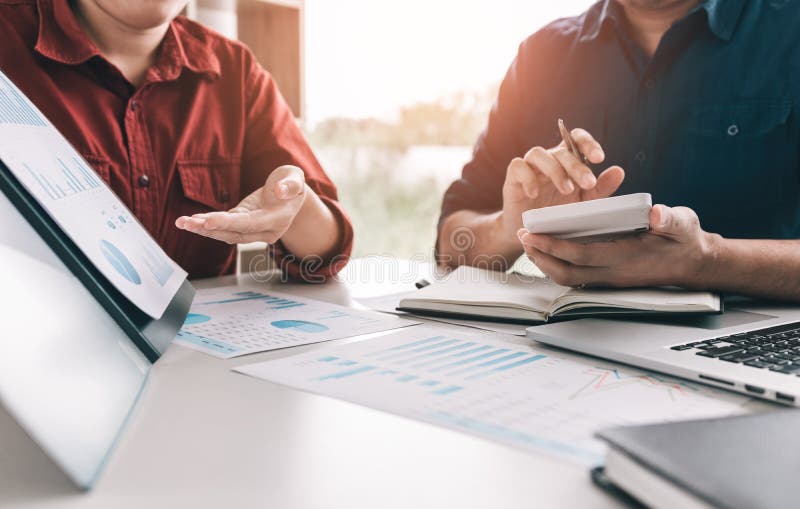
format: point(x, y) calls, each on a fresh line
point(479, 293)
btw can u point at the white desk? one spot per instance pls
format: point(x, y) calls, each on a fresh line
point(204, 436)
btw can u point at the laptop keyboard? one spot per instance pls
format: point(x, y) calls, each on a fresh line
point(775, 348)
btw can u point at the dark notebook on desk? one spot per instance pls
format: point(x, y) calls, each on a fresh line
point(737, 462)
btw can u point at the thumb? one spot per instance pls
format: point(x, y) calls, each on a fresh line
point(288, 188)
point(678, 223)
point(291, 184)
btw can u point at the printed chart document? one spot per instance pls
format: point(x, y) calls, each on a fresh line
point(83, 205)
point(527, 397)
point(229, 321)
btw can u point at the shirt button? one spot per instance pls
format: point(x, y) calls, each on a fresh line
point(224, 196)
point(733, 130)
point(134, 105)
point(640, 156)
point(650, 83)
point(144, 181)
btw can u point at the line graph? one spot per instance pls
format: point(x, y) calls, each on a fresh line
point(611, 379)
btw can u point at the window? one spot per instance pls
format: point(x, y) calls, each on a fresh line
point(396, 96)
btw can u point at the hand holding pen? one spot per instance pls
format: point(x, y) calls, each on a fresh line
point(555, 176)
point(568, 165)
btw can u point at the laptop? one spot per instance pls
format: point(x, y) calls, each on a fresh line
point(752, 348)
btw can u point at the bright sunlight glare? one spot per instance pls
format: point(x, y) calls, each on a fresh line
point(367, 58)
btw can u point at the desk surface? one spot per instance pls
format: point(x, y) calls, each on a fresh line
point(204, 436)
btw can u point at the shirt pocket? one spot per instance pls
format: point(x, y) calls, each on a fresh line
point(739, 157)
point(214, 184)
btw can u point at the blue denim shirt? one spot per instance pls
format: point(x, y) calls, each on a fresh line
point(709, 122)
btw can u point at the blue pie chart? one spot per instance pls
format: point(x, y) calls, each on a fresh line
point(120, 262)
point(195, 318)
point(300, 325)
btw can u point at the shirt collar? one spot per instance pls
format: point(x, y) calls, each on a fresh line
point(193, 50)
point(61, 38)
point(723, 16)
point(597, 17)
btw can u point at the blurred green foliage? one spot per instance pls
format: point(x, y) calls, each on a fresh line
point(392, 215)
point(394, 208)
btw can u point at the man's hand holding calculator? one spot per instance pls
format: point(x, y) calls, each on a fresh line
point(675, 250)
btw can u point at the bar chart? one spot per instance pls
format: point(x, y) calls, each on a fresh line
point(73, 178)
point(432, 361)
point(14, 107)
point(271, 301)
point(543, 401)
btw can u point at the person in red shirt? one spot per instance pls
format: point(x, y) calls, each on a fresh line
point(185, 126)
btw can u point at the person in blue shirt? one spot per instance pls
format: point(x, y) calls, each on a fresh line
point(698, 101)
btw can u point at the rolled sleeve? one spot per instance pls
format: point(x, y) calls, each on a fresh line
point(274, 139)
point(318, 270)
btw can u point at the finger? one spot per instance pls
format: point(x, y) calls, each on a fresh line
point(520, 173)
point(245, 222)
point(586, 255)
point(188, 223)
point(561, 272)
point(232, 237)
point(242, 222)
point(607, 184)
point(577, 171)
point(544, 162)
point(588, 146)
point(678, 223)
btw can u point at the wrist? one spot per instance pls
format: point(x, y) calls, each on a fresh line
point(306, 208)
point(504, 237)
point(503, 240)
point(314, 230)
point(710, 253)
point(469, 238)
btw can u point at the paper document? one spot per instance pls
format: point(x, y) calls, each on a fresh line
point(527, 397)
point(83, 205)
point(229, 321)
